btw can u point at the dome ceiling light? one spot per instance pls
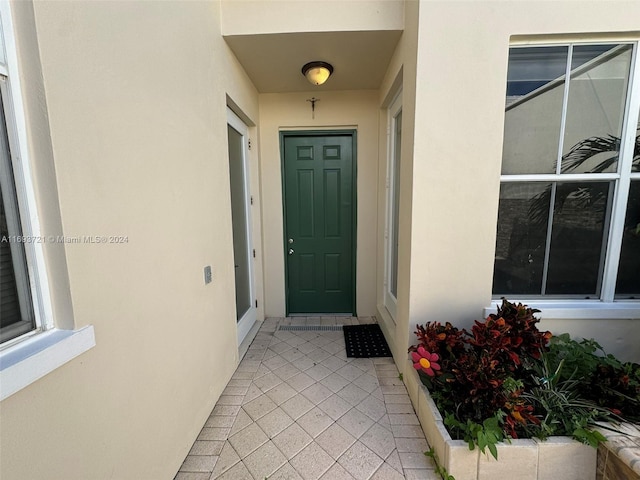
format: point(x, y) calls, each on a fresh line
point(317, 72)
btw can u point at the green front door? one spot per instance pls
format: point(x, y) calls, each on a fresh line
point(319, 222)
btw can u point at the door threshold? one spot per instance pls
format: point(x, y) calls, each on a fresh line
point(320, 315)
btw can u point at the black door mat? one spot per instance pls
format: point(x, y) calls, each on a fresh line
point(364, 341)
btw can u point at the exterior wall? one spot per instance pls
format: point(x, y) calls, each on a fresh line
point(135, 94)
point(616, 336)
point(461, 71)
point(335, 110)
point(126, 105)
point(401, 74)
point(258, 16)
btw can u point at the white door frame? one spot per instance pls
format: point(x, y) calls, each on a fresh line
point(247, 321)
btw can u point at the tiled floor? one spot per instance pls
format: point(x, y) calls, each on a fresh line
point(298, 408)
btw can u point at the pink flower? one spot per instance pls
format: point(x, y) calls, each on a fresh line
point(425, 361)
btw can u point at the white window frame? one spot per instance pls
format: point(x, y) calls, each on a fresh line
point(607, 306)
point(17, 136)
point(390, 300)
point(14, 227)
point(30, 356)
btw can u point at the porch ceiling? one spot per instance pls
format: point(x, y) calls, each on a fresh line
point(273, 61)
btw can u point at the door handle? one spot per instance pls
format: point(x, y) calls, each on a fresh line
point(291, 251)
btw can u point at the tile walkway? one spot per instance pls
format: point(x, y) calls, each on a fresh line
point(298, 408)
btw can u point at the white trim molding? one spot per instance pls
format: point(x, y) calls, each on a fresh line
point(581, 310)
point(32, 359)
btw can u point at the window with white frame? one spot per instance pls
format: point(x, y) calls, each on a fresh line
point(30, 344)
point(393, 205)
point(18, 288)
point(569, 211)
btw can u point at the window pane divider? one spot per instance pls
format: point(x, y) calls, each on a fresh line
point(563, 119)
point(562, 177)
point(547, 245)
point(609, 211)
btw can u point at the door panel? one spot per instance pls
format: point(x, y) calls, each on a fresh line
point(319, 217)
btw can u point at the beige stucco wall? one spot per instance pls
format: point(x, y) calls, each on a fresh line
point(259, 16)
point(400, 76)
point(618, 337)
point(461, 71)
point(135, 94)
point(335, 110)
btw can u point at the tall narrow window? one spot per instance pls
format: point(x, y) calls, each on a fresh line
point(393, 205)
point(569, 174)
point(241, 224)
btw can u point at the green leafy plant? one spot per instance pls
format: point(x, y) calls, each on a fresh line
point(562, 409)
point(439, 469)
point(485, 435)
point(600, 377)
point(506, 379)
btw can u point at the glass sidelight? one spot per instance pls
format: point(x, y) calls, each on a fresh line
point(241, 224)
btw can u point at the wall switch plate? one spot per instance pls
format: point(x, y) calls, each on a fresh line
point(208, 277)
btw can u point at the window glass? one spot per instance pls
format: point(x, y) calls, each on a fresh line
point(523, 217)
point(393, 280)
point(531, 68)
point(575, 255)
point(636, 151)
point(535, 89)
point(628, 285)
point(597, 94)
point(10, 314)
point(239, 222)
point(16, 310)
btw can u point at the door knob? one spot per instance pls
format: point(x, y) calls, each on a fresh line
point(291, 251)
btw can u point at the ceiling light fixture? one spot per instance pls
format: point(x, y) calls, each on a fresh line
point(317, 72)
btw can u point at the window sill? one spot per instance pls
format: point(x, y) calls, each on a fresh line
point(587, 310)
point(28, 361)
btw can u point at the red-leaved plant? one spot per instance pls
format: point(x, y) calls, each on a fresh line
point(476, 365)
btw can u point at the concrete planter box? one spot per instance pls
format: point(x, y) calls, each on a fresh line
point(556, 458)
